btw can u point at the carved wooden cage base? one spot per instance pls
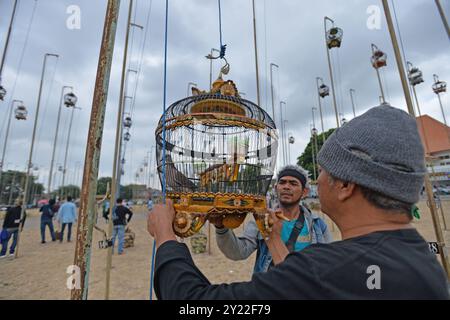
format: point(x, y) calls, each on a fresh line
point(192, 210)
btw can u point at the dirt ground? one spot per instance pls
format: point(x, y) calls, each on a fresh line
point(40, 270)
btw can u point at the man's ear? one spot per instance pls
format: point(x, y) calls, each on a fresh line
point(345, 190)
point(305, 192)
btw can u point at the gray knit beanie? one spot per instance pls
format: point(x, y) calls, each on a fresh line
point(380, 150)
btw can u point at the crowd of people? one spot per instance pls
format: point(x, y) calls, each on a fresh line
point(57, 217)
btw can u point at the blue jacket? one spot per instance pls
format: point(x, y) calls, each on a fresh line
point(240, 248)
point(67, 213)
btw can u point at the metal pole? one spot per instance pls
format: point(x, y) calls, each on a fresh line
point(282, 132)
point(313, 155)
point(8, 36)
point(437, 228)
point(271, 89)
point(383, 100)
point(444, 19)
point(30, 156)
point(210, 67)
point(320, 109)
point(87, 211)
point(5, 143)
point(436, 79)
point(331, 71)
point(285, 141)
point(67, 151)
point(119, 128)
point(378, 76)
point(442, 109)
point(353, 102)
point(289, 147)
point(256, 55)
point(55, 140)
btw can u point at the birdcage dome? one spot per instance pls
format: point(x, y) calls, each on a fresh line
point(415, 76)
point(220, 153)
point(334, 37)
point(379, 59)
point(439, 87)
point(21, 112)
point(70, 99)
point(324, 90)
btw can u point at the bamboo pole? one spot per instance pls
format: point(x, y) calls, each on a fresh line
point(88, 205)
point(116, 164)
point(428, 188)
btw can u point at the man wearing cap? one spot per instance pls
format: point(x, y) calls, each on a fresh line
point(303, 229)
point(372, 170)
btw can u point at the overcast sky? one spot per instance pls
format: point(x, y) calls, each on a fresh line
point(290, 34)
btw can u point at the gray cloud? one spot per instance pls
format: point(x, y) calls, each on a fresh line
point(290, 33)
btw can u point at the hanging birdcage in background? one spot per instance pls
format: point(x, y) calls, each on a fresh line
point(220, 154)
point(379, 58)
point(414, 74)
point(70, 100)
point(438, 86)
point(334, 37)
point(127, 122)
point(291, 140)
point(324, 90)
point(127, 136)
point(21, 112)
point(2, 93)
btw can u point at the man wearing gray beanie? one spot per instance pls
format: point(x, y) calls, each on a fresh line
point(372, 170)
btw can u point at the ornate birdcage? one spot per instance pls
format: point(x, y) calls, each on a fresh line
point(2, 93)
point(324, 90)
point(70, 100)
point(291, 140)
point(415, 76)
point(334, 37)
point(219, 157)
point(314, 131)
point(438, 85)
point(21, 112)
point(127, 136)
point(127, 122)
point(378, 58)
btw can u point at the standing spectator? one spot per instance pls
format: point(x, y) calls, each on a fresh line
point(120, 220)
point(67, 216)
point(47, 220)
point(106, 210)
point(11, 226)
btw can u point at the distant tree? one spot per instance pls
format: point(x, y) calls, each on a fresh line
point(12, 186)
point(102, 185)
point(305, 160)
point(69, 190)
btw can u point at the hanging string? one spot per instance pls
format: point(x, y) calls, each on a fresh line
point(163, 176)
point(222, 46)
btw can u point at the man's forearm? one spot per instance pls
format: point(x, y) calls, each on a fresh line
point(277, 249)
